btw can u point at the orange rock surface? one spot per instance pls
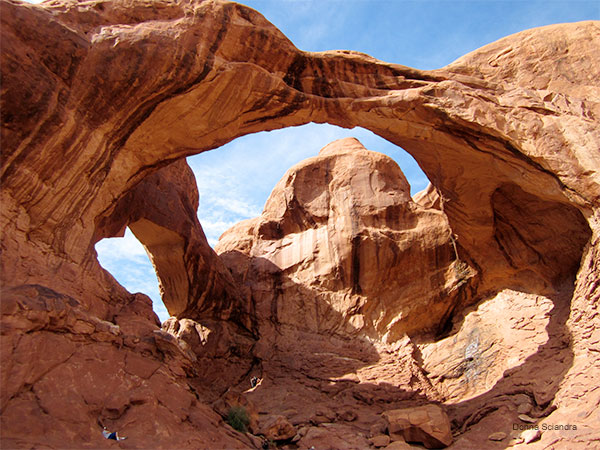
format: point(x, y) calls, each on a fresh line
point(427, 425)
point(99, 99)
point(341, 248)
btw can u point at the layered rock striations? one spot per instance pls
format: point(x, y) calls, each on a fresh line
point(341, 248)
point(99, 96)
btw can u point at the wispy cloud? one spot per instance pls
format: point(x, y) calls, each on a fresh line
point(113, 249)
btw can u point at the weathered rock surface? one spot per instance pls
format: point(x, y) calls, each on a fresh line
point(399, 445)
point(236, 400)
point(278, 428)
point(381, 440)
point(498, 436)
point(428, 425)
point(222, 352)
point(496, 336)
point(66, 373)
point(341, 248)
point(97, 96)
point(161, 213)
point(195, 285)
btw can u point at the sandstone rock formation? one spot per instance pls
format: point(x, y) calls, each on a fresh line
point(194, 283)
point(341, 248)
point(161, 213)
point(97, 96)
point(66, 373)
point(427, 425)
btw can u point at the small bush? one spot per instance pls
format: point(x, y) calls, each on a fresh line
point(238, 418)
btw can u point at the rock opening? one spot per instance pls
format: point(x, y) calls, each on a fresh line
point(127, 260)
point(235, 180)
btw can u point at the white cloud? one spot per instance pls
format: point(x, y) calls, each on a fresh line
point(237, 206)
point(117, 247)
point(214, 228)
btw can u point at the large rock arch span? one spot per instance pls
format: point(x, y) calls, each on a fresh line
point(129, 98)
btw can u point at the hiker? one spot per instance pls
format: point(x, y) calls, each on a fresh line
point(114, 435)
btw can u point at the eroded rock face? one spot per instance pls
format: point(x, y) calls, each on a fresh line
point(341, 248)
point(66, 373)
point(161, 212)
point(497, 335)
point(99, 95)
point(428, 425)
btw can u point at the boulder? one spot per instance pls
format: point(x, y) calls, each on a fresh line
point(498, 436)
point(428, 425)
point(277, 428)
point(381, 440)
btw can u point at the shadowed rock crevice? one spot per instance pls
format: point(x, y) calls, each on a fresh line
point(538, 236)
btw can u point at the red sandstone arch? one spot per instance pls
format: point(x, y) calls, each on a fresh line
point(99, 96)
point(115, 103)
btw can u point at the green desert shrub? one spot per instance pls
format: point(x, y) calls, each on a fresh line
point(238, 418)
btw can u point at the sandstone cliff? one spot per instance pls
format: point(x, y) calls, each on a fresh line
point(99, 96)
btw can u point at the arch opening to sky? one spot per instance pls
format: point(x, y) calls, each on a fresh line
point(127, 261)
point(234, 182)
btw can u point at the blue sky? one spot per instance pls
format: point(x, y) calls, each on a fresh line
point(235, 180)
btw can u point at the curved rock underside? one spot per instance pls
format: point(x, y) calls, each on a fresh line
point(100, 101)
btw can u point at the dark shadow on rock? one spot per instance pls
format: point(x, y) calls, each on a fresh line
point(309, 372)
point(316, 373)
